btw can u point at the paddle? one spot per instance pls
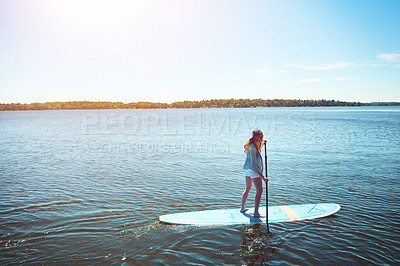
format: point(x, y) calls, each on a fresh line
point(266, 186)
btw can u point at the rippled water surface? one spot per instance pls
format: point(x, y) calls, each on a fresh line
point(87, 187)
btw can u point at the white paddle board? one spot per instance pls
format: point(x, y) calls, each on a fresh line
point(276, 214)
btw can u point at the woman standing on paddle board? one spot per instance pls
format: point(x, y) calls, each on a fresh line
point(253, 168)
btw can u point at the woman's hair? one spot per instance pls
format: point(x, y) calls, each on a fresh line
point(256, 140)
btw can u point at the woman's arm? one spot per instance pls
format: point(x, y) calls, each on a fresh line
point(262, 177)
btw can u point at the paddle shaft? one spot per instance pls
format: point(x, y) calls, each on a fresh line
point(266, 186)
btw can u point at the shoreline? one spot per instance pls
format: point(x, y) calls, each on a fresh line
point(205, 104)
point(199, 108)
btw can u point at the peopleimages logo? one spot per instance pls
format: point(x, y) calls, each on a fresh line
point(187, 131)
point(168, 123)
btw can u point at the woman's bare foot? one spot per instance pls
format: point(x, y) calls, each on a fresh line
point(256, 215)
point(244, 210)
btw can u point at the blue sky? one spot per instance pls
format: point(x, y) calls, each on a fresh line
point(172, 50)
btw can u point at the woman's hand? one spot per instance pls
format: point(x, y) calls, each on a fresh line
point(263, 177)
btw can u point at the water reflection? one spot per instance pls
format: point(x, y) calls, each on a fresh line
point(258, 245)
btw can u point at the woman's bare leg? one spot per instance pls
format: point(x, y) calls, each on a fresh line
point(246, 191)
point(258, 183)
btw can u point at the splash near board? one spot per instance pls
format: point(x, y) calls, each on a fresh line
point(276, 214)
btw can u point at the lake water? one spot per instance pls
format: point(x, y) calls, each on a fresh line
point(87, 186)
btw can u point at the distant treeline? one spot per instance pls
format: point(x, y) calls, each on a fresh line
point(222, 103)
point(382, 104)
